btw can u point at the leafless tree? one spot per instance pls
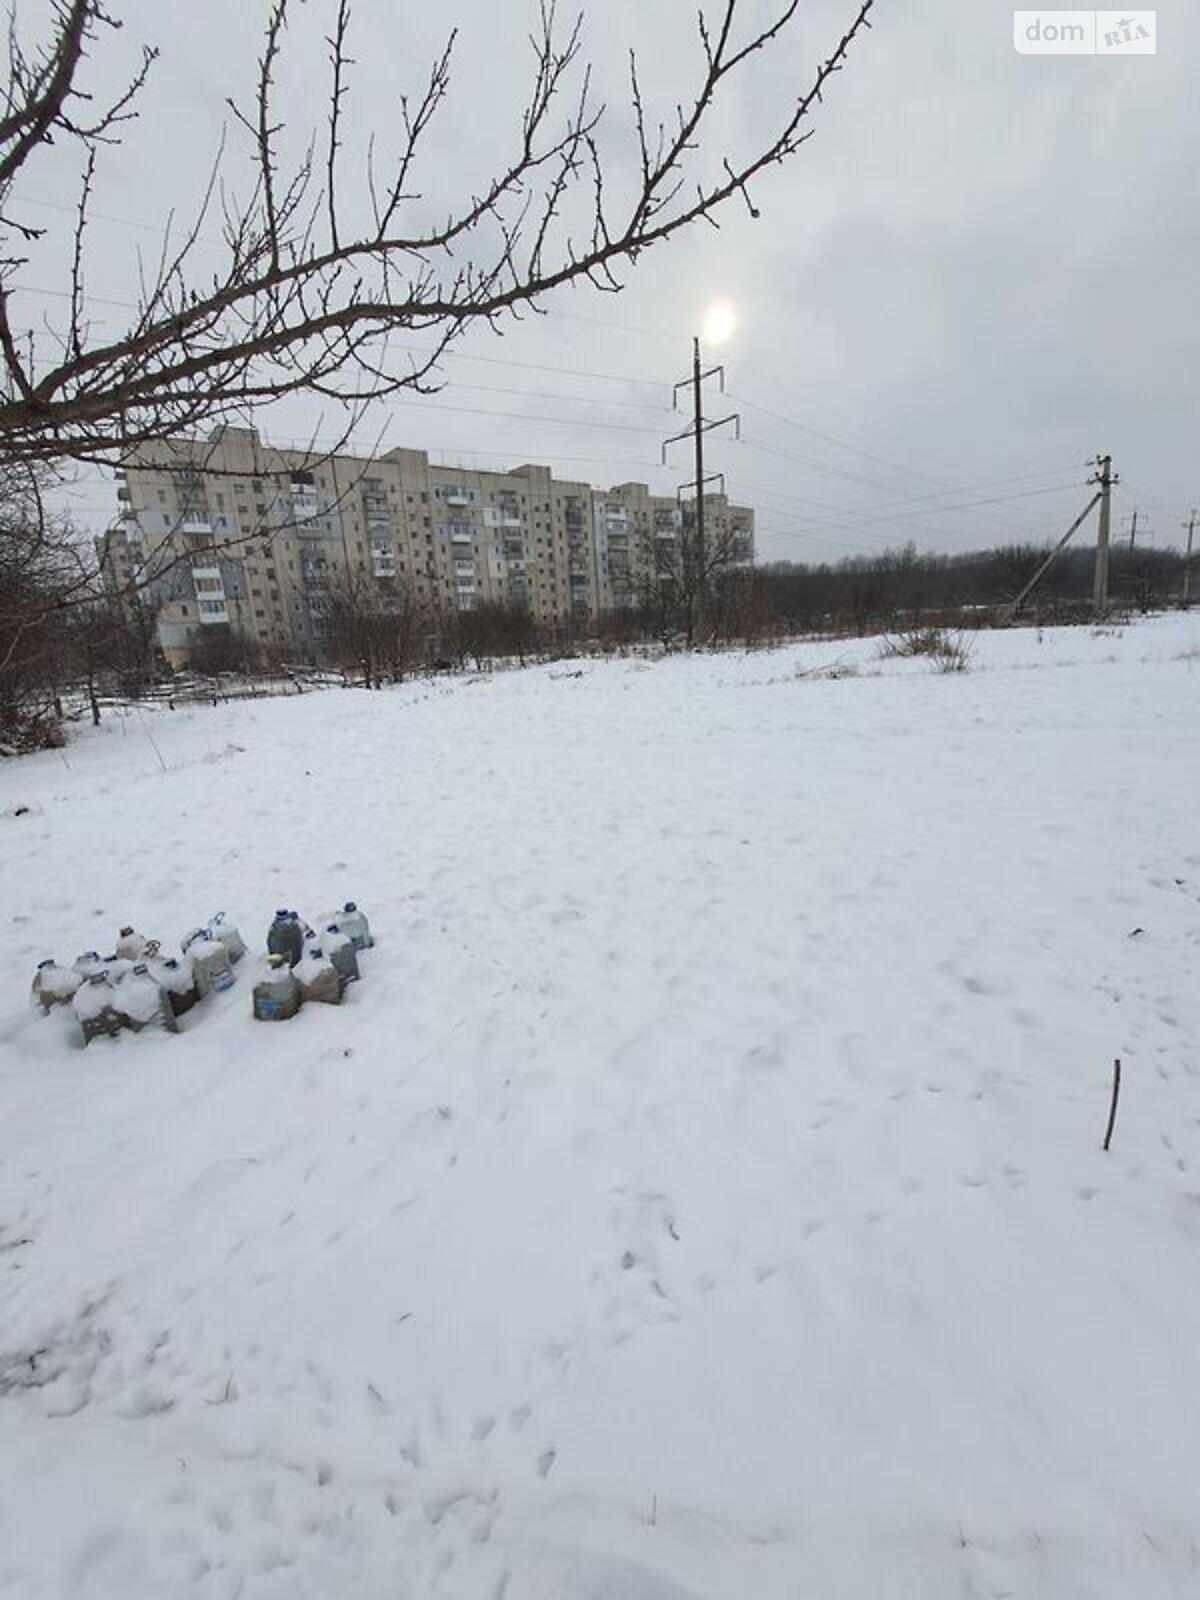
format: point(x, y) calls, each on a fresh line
point(303, 298)
point(689, 578)
point(375, 626)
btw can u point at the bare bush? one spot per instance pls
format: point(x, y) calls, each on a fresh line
point(946, 652)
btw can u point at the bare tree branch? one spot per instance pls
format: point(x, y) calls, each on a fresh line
point(299, 301)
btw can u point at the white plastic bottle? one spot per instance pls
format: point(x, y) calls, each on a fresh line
point(225, 933)
point(339, 947)
point(211, 968)
point(353, 923)
point(176, 978)
point(95, 1009)
point(131, 946)
point(54, 985)
point(318, 977)
point(276, 996)
point(142, 1002)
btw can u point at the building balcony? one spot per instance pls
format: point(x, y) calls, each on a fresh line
point(193, 524)
point(457, 497)
point(305, 504)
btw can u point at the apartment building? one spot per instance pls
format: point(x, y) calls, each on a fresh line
point(637, 538)
point(259, 539)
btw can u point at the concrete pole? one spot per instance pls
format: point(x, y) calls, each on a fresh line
point(1100, 586)
point(1187, 565)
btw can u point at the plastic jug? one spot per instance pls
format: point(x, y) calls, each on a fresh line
point(318, 977)
point(131, 946)
point(339, 947)
point(93, 1006)
point(211, 967)
point(351, 921)
point(176, 978)
point(276, 993)
point(285, 938)
point(225, 933)
point(142, 1002)
point(87, 963)
point(54, 985)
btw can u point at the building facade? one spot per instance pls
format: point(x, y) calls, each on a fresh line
point(237, 535)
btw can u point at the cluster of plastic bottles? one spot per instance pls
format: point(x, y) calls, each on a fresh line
point(303, 965)
point(137, 986)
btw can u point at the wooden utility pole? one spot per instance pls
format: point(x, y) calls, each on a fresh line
point(1105, 477)
point(1133, 530)
point(1187, 560)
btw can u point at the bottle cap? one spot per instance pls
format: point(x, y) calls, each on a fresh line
point(140, 967)
point(98, 977)
point(48, 962)
point(350, 906)
point(282, 912)
point(124, 932)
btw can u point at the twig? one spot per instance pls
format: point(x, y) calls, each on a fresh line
point(1116, 1094)
point(150, 736)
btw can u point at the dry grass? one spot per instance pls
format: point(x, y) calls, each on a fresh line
point(945, 651)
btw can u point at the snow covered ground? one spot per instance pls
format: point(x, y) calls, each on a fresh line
point(702, 1195)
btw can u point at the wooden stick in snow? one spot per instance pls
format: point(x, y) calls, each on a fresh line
point(1112, 1110)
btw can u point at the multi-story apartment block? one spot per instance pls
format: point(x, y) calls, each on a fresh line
point(261, 539)
point(638, 534)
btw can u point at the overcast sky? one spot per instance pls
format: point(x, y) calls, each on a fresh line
point(978, 273)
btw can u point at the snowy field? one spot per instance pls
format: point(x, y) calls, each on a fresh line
point(702, 1196)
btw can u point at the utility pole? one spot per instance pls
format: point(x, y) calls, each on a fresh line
point(1133, 530)
point(697, 413)
point(1187, 562)
point(1046, 564)
point(1105, 477)
point(696, 432)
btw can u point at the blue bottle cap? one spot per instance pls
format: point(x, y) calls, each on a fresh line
point(281, 913)
point(350, 906)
